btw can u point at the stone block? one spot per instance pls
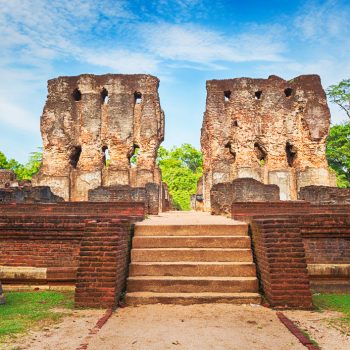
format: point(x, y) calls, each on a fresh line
point(223, 195)
point(284, 180)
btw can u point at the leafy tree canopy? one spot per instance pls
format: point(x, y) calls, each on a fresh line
point(340, 95)
point(338, 153)
point(181, 169)
point(23, 172)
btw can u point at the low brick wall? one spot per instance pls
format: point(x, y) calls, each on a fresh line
point(53, 241)
point(326, 239)
point(325, 195)
point(324, 231)
point(281, 262)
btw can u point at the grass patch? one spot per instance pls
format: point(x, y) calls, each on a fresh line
point(307, 335)
point(335, 302)
point(26, 310)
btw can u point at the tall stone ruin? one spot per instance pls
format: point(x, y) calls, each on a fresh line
point(271, 130)
point(87, 119)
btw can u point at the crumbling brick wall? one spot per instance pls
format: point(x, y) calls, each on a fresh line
point(6, 178)
point(28, 194)
point(223, 195)
point(271, 130)
point(87, 118)
point(325, 195)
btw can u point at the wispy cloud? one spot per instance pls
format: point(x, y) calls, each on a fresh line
point(194, 44)
point(321, 21)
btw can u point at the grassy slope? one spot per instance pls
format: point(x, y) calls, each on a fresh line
point(25, 310)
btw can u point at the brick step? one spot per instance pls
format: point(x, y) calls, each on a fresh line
point(139, 298)
point(191, 242)
point(181, 268)
point(191, 254)
point(240, 229)
point(192, 284)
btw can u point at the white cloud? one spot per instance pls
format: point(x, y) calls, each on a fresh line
point(322, 21)
point(17, 117)
point(203, 46)
point(122, 61)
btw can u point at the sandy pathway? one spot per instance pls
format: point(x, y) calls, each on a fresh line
point(212, 326)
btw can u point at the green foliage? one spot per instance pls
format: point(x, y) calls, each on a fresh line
point(23, 172)
point(23, 310)
point(133, 158)
point(340, 95)
point(338, 153)
point(181, 169)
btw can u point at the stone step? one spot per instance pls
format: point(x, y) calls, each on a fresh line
point(191, 242)
point(239, 229)
point(139, 298)
point(162, 284)
point(181, 268)
point(191, 254)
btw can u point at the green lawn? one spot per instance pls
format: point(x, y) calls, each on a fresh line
point(26, 310)
point(335, 302)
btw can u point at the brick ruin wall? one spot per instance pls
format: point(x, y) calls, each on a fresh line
point(325, 195)
point(223, 195)
point(277, 228)
point(83, 243)
point(271, 130)
point(87, 118)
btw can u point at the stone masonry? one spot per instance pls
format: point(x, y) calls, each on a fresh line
point(92, 126)
point(271, 130)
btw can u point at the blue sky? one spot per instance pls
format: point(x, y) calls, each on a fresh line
point(183, 42)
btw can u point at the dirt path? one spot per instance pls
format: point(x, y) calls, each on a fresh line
point(204, 327)
point(212, 326)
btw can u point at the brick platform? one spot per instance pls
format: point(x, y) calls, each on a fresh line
point(53, 242)
point(277, 229)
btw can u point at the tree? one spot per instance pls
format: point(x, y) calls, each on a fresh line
point(181, 169)
point(340, 95)
point(23, 172)
point(338, 153)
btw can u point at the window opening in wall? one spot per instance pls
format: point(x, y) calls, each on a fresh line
point(76, 95)
point(134, 156)
point(258, 95)
point(288, 92)
point(227, 95)
point(235, 122)
point(138, 97)
point(291, 153)
point(75, 155)
point(104, 96)
point(261, 154)
point(229, 149)
point(106, 157)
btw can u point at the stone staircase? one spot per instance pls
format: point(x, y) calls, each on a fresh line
point(192, 263)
